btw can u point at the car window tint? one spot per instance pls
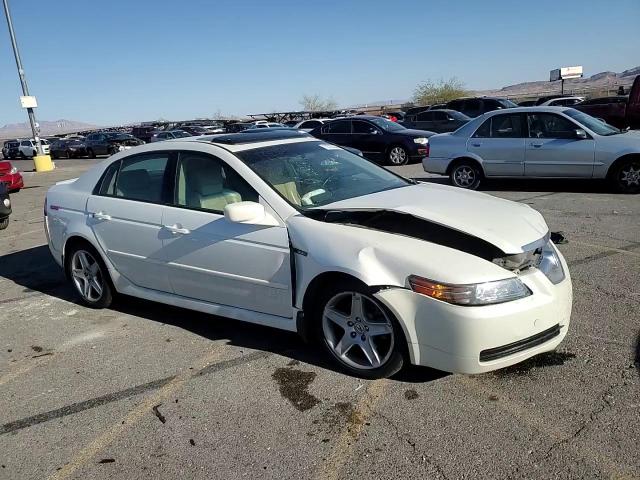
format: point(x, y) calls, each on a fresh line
point(311, 124)
point(506, 126)
point(425, 117)
point(108, 184)
point(550, 125)
point(205, 182)
point(439, 116)
point(142, 177)
point(339, 126)
point(484, 131)
point(363, 127)
point(25, 144)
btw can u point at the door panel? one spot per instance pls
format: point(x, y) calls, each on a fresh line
point(557, 157)
point(239, 265)
point(129, 233)
point(501, 156)
point(553, 150)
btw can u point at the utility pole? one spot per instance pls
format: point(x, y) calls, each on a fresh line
point(25, 87)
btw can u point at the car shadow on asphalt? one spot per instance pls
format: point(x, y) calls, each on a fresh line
point(532, 185)
point(35, 270)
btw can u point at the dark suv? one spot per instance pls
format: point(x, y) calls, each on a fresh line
point(109, 143)
point(377, 138)
point(473, 107)
point(144, 133)
point(10, 149)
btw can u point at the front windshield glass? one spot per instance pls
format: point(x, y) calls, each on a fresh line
point(387, 125)
point(314, 174)
point(593, 124)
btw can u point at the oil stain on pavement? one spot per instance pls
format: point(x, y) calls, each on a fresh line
point(294, 386)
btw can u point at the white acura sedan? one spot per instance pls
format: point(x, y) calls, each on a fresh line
point(281, 229)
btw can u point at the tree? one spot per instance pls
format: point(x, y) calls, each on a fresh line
point(314, 103)
point(430, 92)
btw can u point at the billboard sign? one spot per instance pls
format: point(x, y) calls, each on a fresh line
point(565, 73)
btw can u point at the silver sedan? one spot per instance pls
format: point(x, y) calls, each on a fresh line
point(536, 142)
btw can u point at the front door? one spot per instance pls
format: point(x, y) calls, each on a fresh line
point(367, 138)
point(500, 143)
point(126, 217)
point(212, 259)
point(553, 149)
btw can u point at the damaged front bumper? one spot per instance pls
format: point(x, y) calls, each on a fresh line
point(479, 339)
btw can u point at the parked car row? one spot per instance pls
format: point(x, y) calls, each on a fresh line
point(23, 148)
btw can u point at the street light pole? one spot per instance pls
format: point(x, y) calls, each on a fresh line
point(23, 79)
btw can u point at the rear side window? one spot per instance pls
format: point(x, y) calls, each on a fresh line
point(425, 117)
point(506, 126)
point(484, 131)
point(338, 126)
point(142, 177)
point(108, 185)
point(439, 116)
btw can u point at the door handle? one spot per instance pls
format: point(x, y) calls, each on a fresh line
point(177, 229)
point(101, 216)
point(476, 144)
point(536, 145)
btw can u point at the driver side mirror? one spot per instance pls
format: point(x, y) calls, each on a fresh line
point(581, 134)
point(251, 213)
point(374, 132)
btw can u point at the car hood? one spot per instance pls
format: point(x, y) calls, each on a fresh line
point(410, 132)
point(510, 226)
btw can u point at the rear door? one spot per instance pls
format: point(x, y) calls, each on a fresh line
point(212, 259)
point(125, 214)
point(338, 132)
point(500, 142)
point(553, 150)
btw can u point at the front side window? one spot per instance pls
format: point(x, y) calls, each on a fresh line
point(425, 117)
point(142, 177)
point(314, 174)
point(26, 143)
point(550, 125)
point(310, 124)
point(205, 182)
point(363, 127)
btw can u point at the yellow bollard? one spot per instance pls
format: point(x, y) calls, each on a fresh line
point(43, 163)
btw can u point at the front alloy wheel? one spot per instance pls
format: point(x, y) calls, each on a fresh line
point(89, 279)
point(628, 177)
point(398, 156)
point(360, 335)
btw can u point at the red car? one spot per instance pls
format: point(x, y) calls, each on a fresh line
point(11, 176)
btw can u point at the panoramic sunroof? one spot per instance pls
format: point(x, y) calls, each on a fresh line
point(261, 135)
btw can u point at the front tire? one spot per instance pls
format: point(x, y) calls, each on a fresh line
point(466, 175)
point(4, 223)
point(626, 176)
point(91, 153)
point(397, 156)
point(89, 276)
point(361, 335)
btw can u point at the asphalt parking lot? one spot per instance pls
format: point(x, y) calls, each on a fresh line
point(145, 390)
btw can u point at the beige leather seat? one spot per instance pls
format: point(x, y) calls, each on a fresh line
point(201, 185)
point(281, 177)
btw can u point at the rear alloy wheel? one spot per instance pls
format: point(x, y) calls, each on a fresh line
point(360, 334)
point(627, 176)
point(398, 156)
point(90, 278)
point(466, 175)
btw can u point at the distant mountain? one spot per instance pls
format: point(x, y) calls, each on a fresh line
point(47, 128)
point(602, 83)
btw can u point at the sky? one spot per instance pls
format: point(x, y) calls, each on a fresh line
point(121, 61)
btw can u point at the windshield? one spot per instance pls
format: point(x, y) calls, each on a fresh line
point(593, 124)
point(387, 125)
point(507, 103)
point(313, 174)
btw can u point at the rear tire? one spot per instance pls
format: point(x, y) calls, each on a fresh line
point(626, 176)
point(91, 153)
point(4, 223)
point(89, 276)
point(364, 341)
point(466, 174)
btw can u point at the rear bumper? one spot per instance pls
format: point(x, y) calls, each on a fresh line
point(436, 165)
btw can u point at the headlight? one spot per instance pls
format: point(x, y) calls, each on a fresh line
point(421, 141)
point(13, 171)
point(472, 294)
point(549, 264)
